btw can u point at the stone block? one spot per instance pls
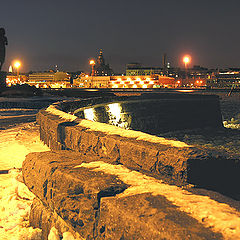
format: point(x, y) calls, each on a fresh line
point(143, 216)
point(92, 205)
point(73, 193)
point(178, 165)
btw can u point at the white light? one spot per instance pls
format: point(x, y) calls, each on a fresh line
point(115, 109)
point(89, 114)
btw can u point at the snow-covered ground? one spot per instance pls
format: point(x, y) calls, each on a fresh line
point(15, 198)
point(19, 139)
point(19, 135)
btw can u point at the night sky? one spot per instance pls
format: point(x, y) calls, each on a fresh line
point(68, 33)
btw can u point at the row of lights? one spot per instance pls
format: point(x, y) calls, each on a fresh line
point(17, 63)
point(186, 61)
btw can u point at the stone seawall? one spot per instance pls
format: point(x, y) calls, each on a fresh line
point(164, 158)
point(73, 197)
point(177, 162)
point(119, 204)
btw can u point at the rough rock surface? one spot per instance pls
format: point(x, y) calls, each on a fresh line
point(144, 216)
point(179, 165)
point(74, 194)
point(86, 203)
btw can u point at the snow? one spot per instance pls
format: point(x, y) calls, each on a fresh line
point(52, 109)
point(68, 236)
point(15, 202)
point(113, 130)
point(54, 235)
point(15, 198)
point(16, 143)
point(16, 112)
point(220, 217)
point(234, 123)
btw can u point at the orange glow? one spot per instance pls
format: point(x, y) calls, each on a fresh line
point(92, 62)
point(186, 59)
point(17, 64)
point(178, 82)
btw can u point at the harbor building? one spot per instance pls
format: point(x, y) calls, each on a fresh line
point(227, 79)
point(49, 79)
point(136, 69)
point(146, 81)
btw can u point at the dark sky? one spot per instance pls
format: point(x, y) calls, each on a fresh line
point(69, 32)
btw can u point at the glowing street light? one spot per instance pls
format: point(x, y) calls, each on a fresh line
point(17, 65)
point(186, 60)
point(92, 62)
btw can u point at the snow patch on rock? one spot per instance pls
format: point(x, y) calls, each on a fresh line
point(113, 130)
point(218, 216)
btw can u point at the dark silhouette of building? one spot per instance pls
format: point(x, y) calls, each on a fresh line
point(101, 68)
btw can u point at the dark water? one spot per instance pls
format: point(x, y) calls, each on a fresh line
point(230, 109)
point(156, 115)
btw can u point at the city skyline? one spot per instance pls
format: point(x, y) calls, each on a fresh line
point(68, 34)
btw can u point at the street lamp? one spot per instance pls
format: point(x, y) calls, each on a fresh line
point(186, 60)
point(92, 62)
point(17, 65)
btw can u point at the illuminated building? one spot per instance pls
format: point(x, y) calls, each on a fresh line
point(49, 79)
point(101, 68)
point(226, 79)
point(135, 69)
point(147, 81)
point(14, 79)
point(41, 77)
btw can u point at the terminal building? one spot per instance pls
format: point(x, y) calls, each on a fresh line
point(49, 79)
point(136, 69)
point(227, 79)
point(146, 81)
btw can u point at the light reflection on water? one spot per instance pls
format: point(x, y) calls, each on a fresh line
point(117, 117)
point(90, 114)
point(113, 114)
